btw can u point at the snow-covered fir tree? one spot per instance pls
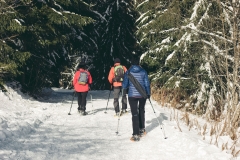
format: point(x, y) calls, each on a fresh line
point(191, 52)
point(52, 32)
point(11, 54)
point(116, 38)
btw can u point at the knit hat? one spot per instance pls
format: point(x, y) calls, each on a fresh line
point(81, 65)
point(117, 60)
point(135, 60)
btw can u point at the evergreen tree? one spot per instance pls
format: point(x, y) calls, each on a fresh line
point(189, 51)
point(11, 54)
point(116, 38)
point(52, 32)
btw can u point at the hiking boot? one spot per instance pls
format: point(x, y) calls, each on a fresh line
point(142, 132)
point(80, 111)
point(124, 111)
point(117, 114)
point(84, 113)
point(135, 138)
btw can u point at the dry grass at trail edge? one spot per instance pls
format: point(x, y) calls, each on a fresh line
point(215, 129)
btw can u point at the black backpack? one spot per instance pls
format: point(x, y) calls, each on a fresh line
point(119, 73)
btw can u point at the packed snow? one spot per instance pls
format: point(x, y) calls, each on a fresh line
point(42, 129)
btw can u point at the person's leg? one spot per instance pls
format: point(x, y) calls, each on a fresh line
point(79, 95)
point(142, 102)
point(124, 100)
point(116, 92)
point(133, 102)
point(84, 100)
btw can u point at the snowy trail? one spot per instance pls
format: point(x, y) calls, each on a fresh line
point(60, 136)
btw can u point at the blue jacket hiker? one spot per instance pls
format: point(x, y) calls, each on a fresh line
point(136, 101)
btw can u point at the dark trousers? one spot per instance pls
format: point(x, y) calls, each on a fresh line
point(82, 100)
point(138, 113)
point(116, 93)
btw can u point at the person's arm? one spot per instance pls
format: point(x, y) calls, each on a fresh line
point(147, 84)
point(75, 78)
point(125, 69)
point(111, 75)
point(125, 83)
point(89, 78)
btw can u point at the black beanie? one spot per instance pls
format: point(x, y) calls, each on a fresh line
point(135, 60)
point(81, 65)
point(117, 60)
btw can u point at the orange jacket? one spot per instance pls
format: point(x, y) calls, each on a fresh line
point(80, 87)
point(111, 75)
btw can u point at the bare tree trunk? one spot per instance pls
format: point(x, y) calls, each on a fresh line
point(235, 89)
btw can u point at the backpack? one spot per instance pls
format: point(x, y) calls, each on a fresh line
point(83, 78)
point(119, 73)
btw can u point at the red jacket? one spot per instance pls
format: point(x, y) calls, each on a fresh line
point(80, 87)
point(111, 75)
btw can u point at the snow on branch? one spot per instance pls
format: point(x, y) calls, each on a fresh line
point(169, 30)
point(142, 3)
point(207, 33)
point(196, 6)
point(205, 15)
point(142, 15)
point(219, 51)
point(18, 21)
point(56, 11)
point(103, 18)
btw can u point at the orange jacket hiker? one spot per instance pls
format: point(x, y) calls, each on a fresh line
point(111, 76)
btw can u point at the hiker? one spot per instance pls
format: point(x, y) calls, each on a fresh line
point(81, 82)
point(136, 100)
point(115, 78)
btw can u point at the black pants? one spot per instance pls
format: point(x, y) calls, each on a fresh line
point(82, 100)
point(138, 113)
point(116, 93)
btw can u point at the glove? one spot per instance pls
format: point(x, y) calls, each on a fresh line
point(148, 96)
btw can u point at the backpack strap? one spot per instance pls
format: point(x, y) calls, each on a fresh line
point(137, 85)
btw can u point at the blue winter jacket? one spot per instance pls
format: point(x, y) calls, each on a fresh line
point(141, 75)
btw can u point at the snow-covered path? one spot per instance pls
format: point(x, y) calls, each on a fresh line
point(44, 131)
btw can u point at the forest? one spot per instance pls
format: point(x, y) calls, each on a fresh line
point(190, 49)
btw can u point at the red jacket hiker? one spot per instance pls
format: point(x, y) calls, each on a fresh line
point(80, 87)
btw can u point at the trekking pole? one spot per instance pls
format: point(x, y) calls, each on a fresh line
point(118, 123)
point(91, 101)
point(72, 102)
point(108, 101)
point(162, 128)
point(118, 117)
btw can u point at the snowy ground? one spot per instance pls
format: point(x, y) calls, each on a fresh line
point(43, 130)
